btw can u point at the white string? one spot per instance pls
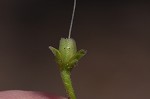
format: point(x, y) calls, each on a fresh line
point(74, 7)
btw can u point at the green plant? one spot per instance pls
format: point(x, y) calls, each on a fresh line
point(66, 57)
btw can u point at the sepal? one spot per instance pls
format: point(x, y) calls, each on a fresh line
point(57, 55)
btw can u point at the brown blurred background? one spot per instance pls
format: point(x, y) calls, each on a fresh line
point(115, 34)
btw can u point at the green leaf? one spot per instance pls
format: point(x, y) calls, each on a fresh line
point(57, 55)
point(73, 61)
point(79, 54)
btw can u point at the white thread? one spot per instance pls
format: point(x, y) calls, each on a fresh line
point(74, 7)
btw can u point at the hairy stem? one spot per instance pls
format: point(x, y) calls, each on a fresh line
point(65, 75)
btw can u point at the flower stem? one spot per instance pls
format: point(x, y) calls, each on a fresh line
point(65, 75)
